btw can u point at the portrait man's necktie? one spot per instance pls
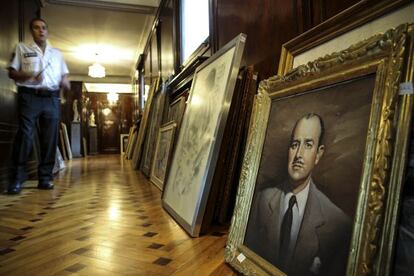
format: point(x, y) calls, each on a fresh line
point(285, 233)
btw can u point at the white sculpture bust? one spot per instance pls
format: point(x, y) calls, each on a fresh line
point(92, 119)
point(75, 111)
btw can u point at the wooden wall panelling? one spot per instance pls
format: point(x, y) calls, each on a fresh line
point(30, 9)
point(267, 28)
point(13, 19)
point(148, 67)
point(75, 93)
point(176, 35)
point(126, 103)
point(155, 52)
point(278, 21)
point(167, 39)
point(110, 126)
point(331, 8)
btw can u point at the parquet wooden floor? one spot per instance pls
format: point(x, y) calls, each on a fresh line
point(102, 218)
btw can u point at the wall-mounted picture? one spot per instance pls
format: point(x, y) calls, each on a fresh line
point(193, 165)
point(318, 151)
point(162, 156)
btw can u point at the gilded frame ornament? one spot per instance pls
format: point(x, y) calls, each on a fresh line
point(389, 57)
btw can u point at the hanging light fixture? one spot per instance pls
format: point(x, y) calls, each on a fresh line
point(96, 70)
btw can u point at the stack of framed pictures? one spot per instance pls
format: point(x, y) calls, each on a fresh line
point(143, 127)
point(221, 203)
point(166, 140)
point(195, 156)
point(328, 141)
point(154, 122)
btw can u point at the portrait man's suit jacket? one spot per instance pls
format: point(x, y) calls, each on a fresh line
point(323, 240)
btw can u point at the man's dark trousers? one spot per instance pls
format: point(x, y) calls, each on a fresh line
point(45, 110)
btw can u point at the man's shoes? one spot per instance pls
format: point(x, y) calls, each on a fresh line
point(14, 188)
point(45, 185)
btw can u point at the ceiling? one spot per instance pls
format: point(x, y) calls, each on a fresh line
point(112, 33)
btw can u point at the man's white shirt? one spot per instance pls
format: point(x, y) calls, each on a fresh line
point(297, 211)
point(30, 58)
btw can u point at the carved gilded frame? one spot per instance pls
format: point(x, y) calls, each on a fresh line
point(390, 57)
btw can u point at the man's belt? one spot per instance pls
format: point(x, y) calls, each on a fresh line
point(41, 92)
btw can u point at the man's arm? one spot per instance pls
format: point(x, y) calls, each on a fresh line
point(65, 83)
point(20, 76)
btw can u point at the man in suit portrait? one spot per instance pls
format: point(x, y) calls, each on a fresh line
point(293, 225)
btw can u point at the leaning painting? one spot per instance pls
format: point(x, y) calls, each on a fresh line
point(202, 128)
point(162, 155)
point(318, 162)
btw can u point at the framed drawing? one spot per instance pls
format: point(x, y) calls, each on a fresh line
point(176, 110)
point(325, 147)
point(124, 142)
point(162, 156)
point(195, 155)
point(154, 122)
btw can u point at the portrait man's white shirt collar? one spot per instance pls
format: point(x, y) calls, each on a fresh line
point(298, 211)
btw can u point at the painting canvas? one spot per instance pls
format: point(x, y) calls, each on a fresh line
point(342, 113)
point(162, 155)
point(312, 195)
point(202, 128)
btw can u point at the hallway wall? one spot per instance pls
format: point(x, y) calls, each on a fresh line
point(14, 16)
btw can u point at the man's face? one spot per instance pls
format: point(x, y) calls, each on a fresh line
point(304, 152)
point(39, 31)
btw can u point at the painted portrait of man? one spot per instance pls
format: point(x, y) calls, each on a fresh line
point(296, 227)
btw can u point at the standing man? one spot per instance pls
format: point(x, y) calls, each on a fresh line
point(294, 225)
point(39, 72)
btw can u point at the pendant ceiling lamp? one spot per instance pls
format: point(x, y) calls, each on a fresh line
point(96, 70)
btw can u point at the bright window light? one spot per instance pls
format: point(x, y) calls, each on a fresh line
point(194, 25)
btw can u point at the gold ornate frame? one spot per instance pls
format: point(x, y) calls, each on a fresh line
point(390, 57)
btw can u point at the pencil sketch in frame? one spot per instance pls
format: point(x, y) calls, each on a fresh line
point(196, 152)
point(176, 110)
point(162, 155)
point(348, 174)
